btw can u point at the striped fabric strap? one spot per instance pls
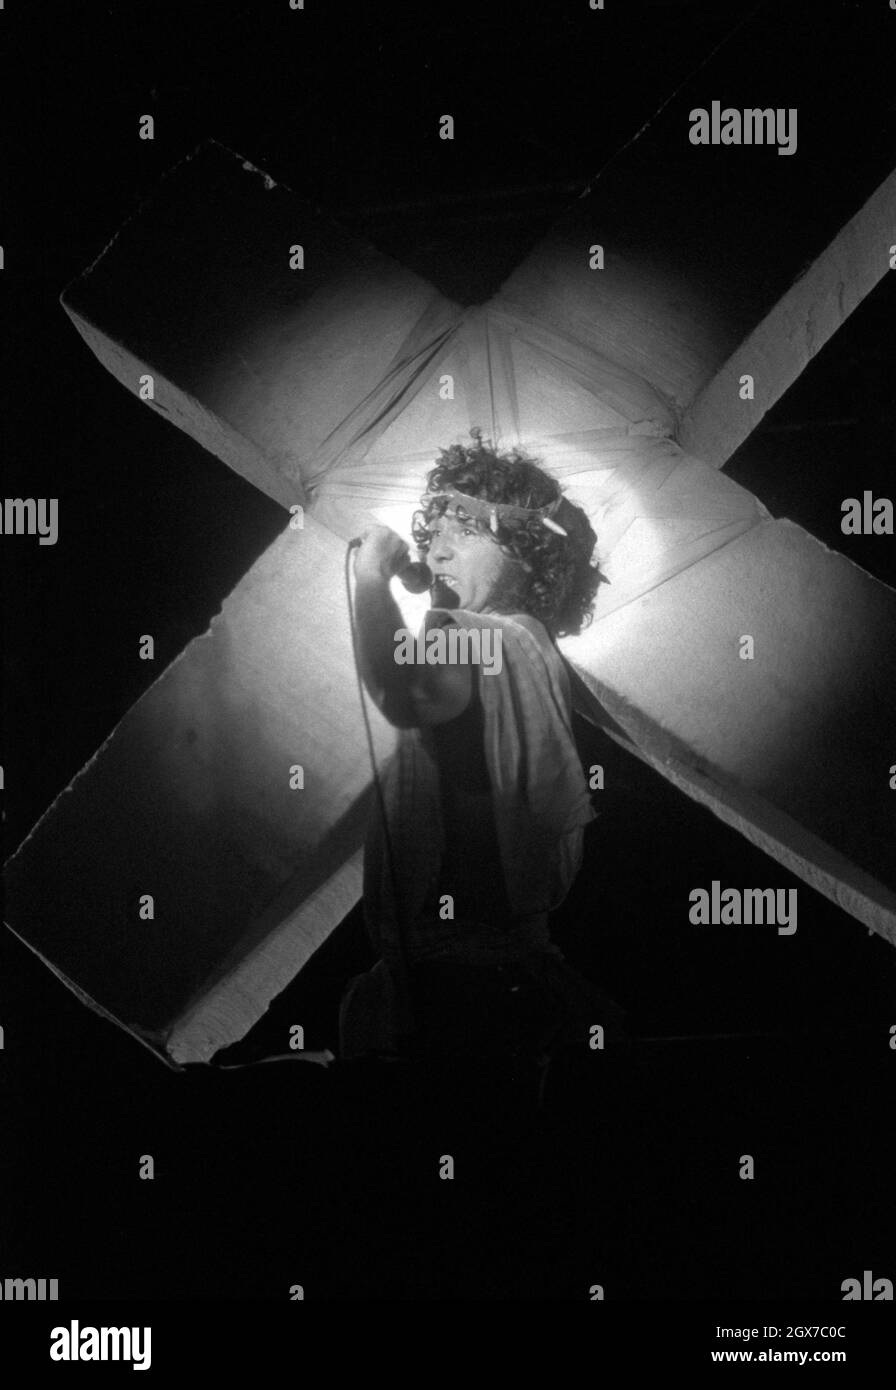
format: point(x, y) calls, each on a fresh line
point(494, 512)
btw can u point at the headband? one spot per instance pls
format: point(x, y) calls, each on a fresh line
point(493, 512)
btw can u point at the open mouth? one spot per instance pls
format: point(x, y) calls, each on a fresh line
point(445, 591)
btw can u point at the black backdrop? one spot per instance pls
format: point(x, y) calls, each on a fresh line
point(278, 1174)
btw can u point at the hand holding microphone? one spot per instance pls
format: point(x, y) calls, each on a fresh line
point(381, 553)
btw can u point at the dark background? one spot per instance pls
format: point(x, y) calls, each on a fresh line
point(745, 1042)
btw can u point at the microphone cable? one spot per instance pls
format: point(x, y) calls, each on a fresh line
point(398, 964)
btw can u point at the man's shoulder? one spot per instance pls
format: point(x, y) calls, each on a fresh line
point(525, 646)
point(463, 617)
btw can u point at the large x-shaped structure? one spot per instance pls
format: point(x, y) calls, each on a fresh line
point(234, 793)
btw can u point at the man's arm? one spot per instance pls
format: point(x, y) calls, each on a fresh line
point(407, 695)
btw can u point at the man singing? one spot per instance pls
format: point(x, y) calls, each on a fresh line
point(484, 804)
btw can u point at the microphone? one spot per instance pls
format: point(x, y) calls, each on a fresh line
point(416, 576)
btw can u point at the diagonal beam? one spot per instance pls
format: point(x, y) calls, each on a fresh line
point(195, 801)
point(799, 325)
point(261, 362)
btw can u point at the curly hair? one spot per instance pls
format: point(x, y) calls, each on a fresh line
point(556, 583)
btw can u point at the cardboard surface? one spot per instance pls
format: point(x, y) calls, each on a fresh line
point(325, 385)
point(190, 801)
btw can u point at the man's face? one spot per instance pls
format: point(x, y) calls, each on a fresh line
point(468, 568)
